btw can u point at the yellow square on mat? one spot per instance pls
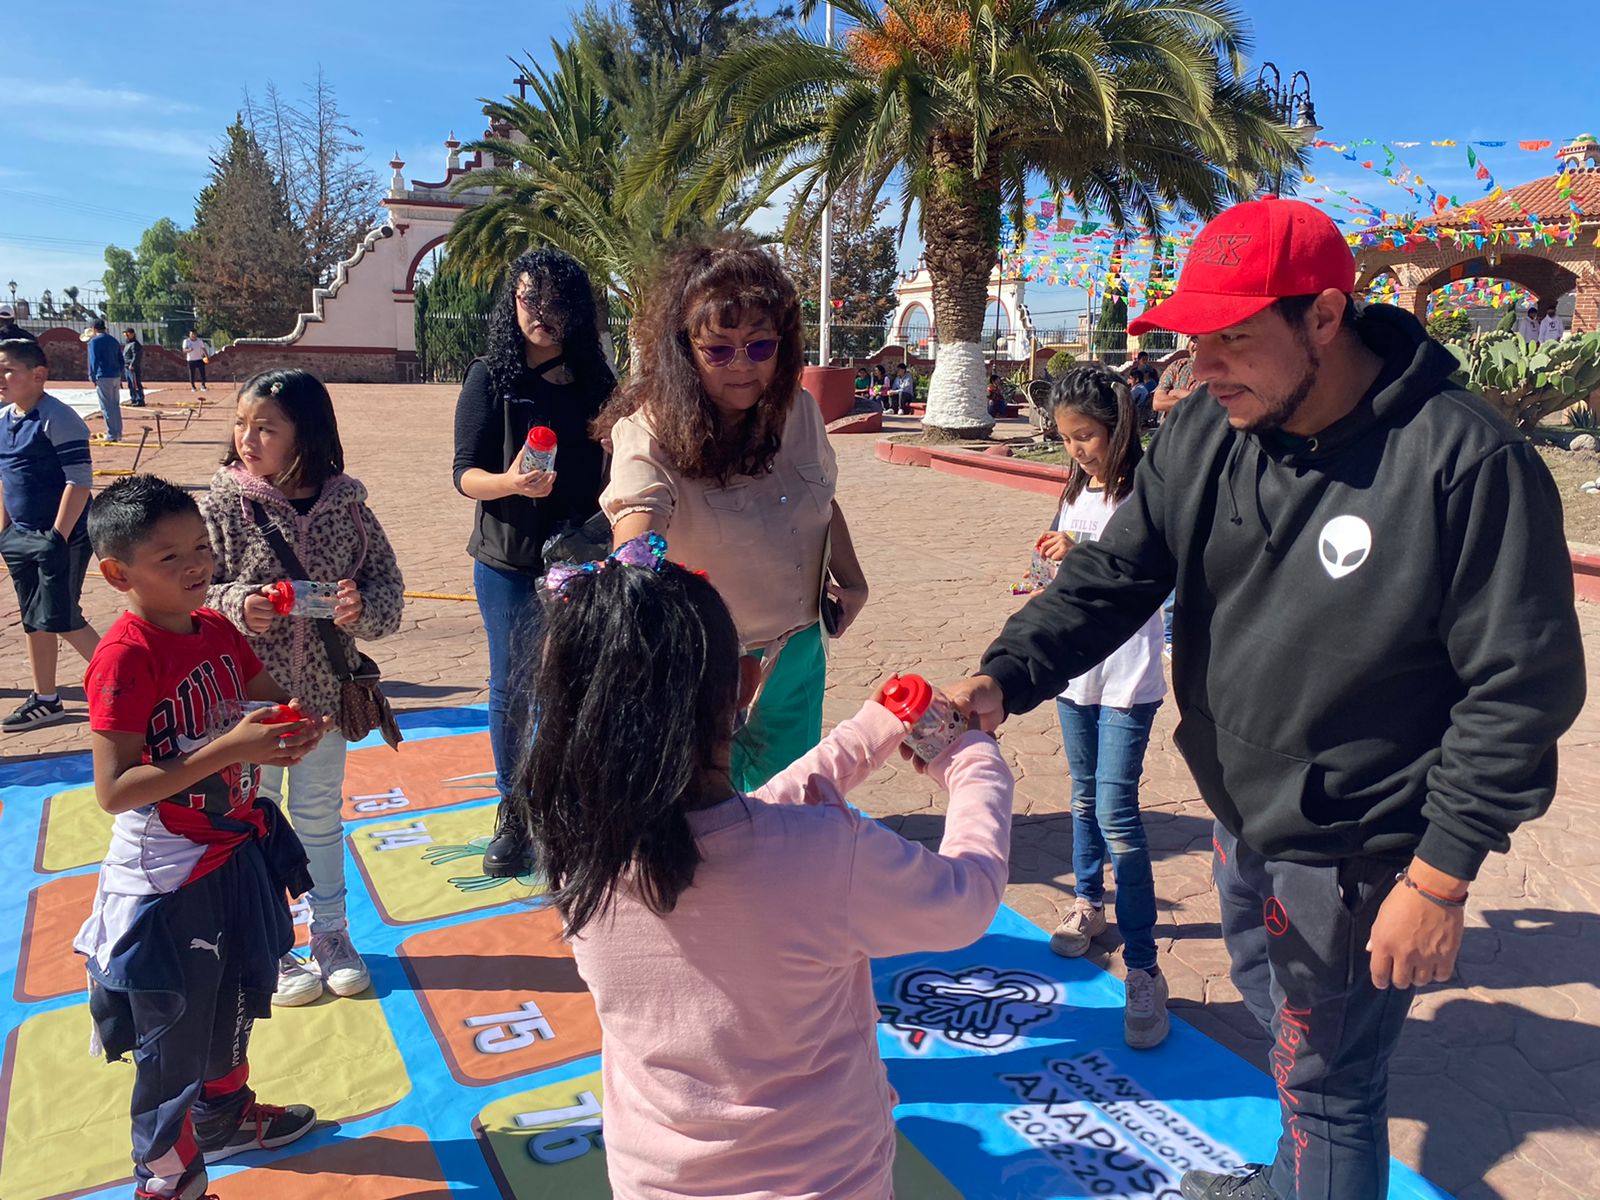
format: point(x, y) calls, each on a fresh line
point(76, 830)
point(431, 865)
point(66, 1119)
point(547, 1144)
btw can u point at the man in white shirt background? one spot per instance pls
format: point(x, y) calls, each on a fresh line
point(1551, 328)
point(1528, 323)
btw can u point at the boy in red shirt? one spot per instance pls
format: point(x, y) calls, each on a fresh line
point(190, 916)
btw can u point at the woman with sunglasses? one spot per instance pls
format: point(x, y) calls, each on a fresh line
point(719, 450)
point(544, 366)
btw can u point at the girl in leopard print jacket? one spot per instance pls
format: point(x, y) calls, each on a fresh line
point(286, 460)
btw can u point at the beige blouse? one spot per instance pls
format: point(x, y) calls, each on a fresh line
point(760, 539)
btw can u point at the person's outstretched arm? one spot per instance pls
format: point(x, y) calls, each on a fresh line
point(903, 896)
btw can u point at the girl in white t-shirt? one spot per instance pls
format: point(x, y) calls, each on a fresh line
point(1106, 713)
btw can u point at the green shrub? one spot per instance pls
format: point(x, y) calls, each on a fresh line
point(1450, 327)
point(1060, 363)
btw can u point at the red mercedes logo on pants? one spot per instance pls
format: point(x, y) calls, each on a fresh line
point(1277, 920)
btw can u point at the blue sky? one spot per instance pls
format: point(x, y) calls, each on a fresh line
point(108, 112)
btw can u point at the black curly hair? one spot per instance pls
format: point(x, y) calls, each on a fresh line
point(565, 300)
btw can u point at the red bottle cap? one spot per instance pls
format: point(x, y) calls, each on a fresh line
point(541, 438)
point(281, 595)
point(907, 697)
point(284, 714)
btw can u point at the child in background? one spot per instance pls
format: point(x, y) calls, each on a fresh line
point(680, 894)
point(45, 482)
point(286, 466)
point(190, 915)
point(1106, 713)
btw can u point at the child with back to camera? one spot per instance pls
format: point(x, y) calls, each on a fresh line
point(757, 912)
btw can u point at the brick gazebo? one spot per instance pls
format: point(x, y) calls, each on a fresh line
point(1514, 247)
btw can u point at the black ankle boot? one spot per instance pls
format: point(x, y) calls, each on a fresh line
point(509, 852)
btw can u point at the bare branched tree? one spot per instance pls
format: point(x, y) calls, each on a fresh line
point(321, 163)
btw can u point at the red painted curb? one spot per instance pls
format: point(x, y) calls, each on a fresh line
point(1586, 577)
point(865, 423)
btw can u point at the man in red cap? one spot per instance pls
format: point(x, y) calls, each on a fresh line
point(1375, 650)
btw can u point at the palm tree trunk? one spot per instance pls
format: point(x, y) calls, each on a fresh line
point(961, 230)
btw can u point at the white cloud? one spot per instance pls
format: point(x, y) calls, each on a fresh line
point(180, 144)
point(77, 96)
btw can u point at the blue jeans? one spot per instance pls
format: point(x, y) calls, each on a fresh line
point(509, 605)
point(1166, 616)
point(1105, 751)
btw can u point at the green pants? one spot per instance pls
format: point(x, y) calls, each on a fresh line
point(787, 719)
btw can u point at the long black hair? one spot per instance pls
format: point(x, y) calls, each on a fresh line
point(1102, 395)
point(634, 701)
point(318, 452)
point(565, 301)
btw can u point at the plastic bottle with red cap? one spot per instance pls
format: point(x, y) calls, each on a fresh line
point(540, 452)
point(308, 598)
point(935, 721)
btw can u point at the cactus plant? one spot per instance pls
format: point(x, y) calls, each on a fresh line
point(1527, 381)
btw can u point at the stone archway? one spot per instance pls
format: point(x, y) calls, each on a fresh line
point(1547, 280)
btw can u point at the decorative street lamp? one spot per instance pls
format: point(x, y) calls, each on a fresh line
point(1291, 104)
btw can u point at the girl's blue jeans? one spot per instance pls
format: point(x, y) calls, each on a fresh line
point(509, 605)
point(1105, 752)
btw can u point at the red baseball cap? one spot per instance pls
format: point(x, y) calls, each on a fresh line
point(1246, 258)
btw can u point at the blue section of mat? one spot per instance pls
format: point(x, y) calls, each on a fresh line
point(1013, 1079)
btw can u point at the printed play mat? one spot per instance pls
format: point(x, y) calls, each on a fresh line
point(472, 1066)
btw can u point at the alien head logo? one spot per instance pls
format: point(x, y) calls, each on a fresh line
point(1343, 545)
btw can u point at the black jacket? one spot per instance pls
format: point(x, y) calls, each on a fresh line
point(490, 432)
point(11, 331)
point(133, 354)
point(1374, 644)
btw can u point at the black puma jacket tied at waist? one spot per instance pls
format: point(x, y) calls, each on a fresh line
point(1374, 643)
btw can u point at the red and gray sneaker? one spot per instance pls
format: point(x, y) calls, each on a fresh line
point(260, 1127)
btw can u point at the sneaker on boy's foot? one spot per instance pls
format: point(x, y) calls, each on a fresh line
point(1083, 924)
point(34, 713)
point(297, 983)
point(1208, 1185)
point(341, 967)
point(260, 1127)
point(1144, 1013)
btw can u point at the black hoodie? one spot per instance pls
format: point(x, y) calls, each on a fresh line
point(1374, 645)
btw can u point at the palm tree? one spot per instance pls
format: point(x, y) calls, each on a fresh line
point(560, 156)
point(1132, 106)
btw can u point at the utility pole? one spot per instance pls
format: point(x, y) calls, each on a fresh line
point(825, 304)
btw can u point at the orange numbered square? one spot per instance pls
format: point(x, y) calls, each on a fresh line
point(418, 776)
point(56, 911)
point(502, 995)
point(392, 1164)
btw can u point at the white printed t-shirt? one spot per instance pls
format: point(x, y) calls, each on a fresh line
point(1132, 675)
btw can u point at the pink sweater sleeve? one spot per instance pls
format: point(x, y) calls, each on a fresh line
point(904, 897)
point(848, 755)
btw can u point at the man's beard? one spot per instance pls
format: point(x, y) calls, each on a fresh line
point(1281, 411)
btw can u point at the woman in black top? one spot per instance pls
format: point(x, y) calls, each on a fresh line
point(544, 366)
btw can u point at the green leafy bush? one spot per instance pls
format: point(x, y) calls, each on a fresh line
point(1060, 363)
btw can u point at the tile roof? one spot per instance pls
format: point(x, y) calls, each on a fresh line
point(1539, 196)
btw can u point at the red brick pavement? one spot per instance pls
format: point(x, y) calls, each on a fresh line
point(1496, 1088)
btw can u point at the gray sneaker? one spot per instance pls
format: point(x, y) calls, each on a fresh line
point(1144, 1014)
point(1083, 924)
point(339, 964)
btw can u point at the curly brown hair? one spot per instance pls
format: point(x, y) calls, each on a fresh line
point(724, 282)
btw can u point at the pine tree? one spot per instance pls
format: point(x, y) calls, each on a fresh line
point(246, 261)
